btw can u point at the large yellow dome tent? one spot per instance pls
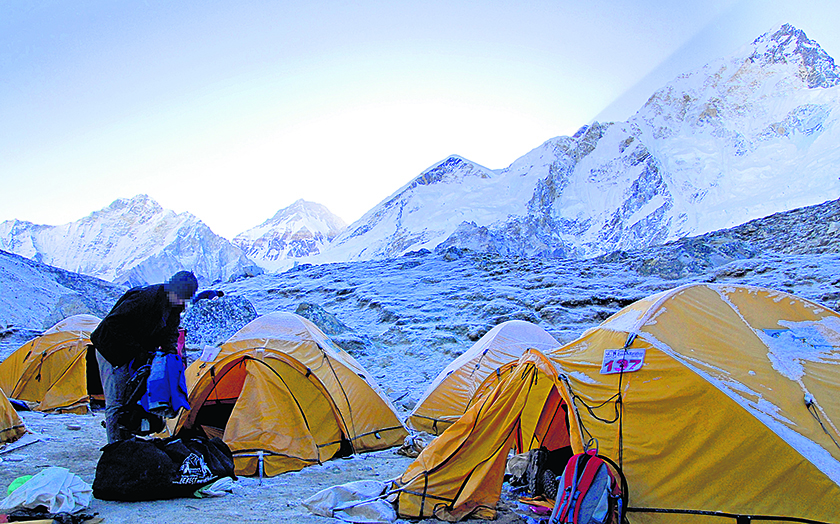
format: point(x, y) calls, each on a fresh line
point(475, 373)
point(11, 426)
point(280, 389)
point(720, 403)
point(734, 410)
point(50, 371)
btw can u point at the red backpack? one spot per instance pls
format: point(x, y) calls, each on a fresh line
point(589, 492)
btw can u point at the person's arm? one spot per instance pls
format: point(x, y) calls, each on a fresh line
point(169, 334)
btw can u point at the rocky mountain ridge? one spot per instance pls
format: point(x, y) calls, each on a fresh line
point(130, 242)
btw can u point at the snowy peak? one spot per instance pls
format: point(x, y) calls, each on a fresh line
point(454, 169)
point(311, 216)
point(130, 242)
point(790, 45)
point(301, 230)
point(744, 137)
point(429, 208)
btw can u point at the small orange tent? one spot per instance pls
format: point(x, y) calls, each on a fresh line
point(282, 392)
point(50, 371)
point(475, 373)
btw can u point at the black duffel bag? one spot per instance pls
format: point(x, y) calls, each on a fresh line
point(174, 467)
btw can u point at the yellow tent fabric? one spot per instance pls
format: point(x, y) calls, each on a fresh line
point(475, 373)
point(460, 473)
point(50, 371)
point(734, 411)
point(11, 426)
point(282, 389)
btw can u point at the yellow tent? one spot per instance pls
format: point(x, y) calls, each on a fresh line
point(50, 371)
point(730, 404)
point(11, 426)
point(460, 473)
point(726, 410)
point(475, 373)
point(282, 390)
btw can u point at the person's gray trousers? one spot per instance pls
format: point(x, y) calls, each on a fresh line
point(114, 381)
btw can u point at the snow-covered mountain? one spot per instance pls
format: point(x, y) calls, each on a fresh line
point(301, 230)
point(130, 242)
point(743, 137)
point(426, 211)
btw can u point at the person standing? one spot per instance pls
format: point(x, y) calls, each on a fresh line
point(144, 320)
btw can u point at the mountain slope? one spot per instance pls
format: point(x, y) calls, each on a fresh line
point(428, 209)
point(34, 296)
point(130, 242)
point(301, 230)
point(743, 137)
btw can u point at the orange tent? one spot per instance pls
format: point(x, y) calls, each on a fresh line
point(730, 407)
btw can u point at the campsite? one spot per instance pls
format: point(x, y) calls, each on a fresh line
point(621, 305)
point(280, 497)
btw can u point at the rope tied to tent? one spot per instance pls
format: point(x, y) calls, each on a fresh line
point(811, 405)
point(618, 405)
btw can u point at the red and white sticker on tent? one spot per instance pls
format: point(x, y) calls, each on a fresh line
point(626, 360)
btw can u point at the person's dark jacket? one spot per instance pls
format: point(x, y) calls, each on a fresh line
point(141, 321)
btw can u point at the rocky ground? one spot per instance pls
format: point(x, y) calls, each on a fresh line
point(74, 441)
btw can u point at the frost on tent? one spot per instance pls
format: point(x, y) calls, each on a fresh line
point(799, 342)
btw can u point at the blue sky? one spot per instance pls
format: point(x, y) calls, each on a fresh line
point(234, 110)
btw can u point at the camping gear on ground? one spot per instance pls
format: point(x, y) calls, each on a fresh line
point(39, 516)
point(283, 396)
point(138, 469)
point(56, 489)
point(544, 468)
point(414, 444)
point(459, 475)
point(219, 488)
point(53, 371)
point(475, 373)
point(11, 426)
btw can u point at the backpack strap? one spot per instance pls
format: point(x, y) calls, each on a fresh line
point(566, 491)
point(586, 478)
